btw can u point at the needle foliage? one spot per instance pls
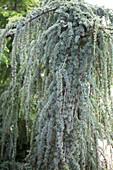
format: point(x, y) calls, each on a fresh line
point(62, 73)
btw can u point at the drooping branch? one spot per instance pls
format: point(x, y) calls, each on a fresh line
point(39, 15)
point(31, 19)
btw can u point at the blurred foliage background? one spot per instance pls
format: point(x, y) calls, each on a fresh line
point(10, 9)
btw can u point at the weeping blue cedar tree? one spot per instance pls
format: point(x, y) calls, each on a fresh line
point(62, 73)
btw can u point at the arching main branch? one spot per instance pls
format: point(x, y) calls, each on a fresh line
point(31, 19)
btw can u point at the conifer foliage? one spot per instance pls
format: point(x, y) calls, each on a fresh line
point(62, 75)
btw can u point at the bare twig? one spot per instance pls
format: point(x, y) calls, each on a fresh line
point(42, 13)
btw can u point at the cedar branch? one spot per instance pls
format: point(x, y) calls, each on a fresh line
point(39, 15)
point(31, 19)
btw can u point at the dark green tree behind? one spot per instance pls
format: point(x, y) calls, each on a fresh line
point(61, 62)
point(10, 9)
